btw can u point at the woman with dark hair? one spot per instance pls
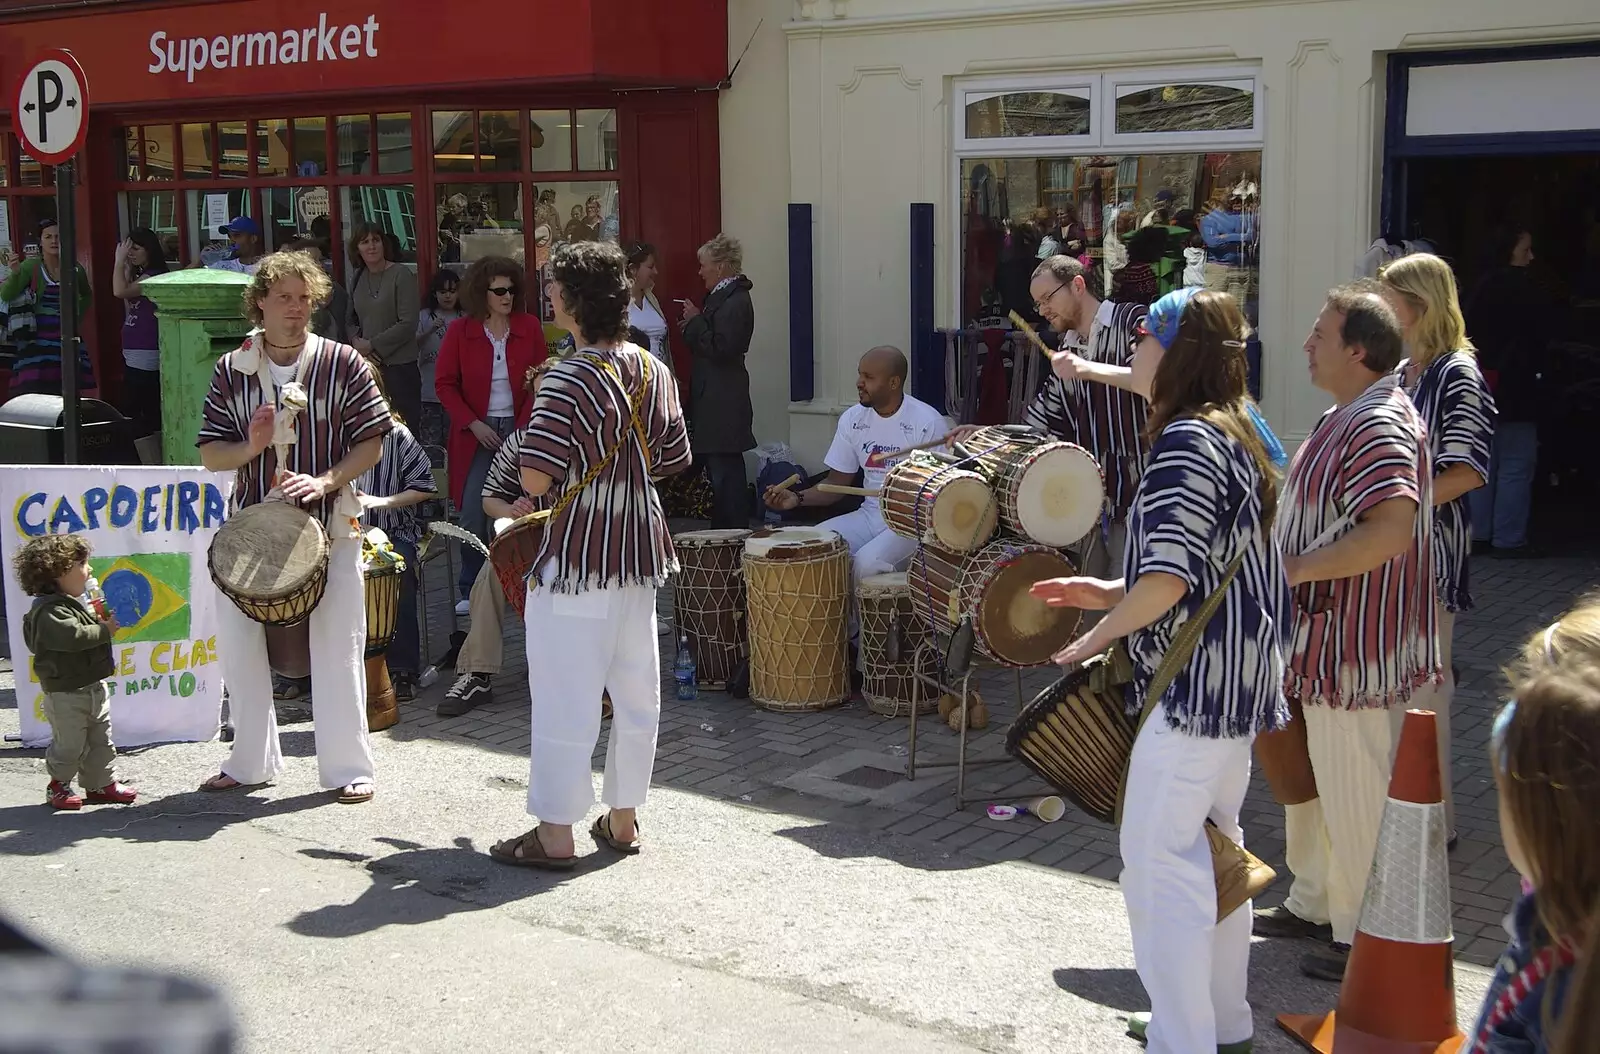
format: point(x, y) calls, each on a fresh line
point(1136, 282)
point(1510, 320)
point(139, 256)
point(644, 310)
point(480, 355)
point(383, 317)
point(605, 421)
point(1199, 532)
point(32, 294)
point(443, 307)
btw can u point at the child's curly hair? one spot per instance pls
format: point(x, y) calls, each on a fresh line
point(43, 560)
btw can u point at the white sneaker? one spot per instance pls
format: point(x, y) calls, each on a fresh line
point(463, 607)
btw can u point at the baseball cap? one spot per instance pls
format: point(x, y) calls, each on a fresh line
point(1165, 195)
point(243, 225)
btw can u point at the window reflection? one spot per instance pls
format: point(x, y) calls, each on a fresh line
point(209, 213)
point(272, 147)
point(499, 142)
point(157, 210)
point(232, 150)
point(354, 143)
point(1023, 114)
point(160, 153)
point(1187, 108)
point(393, 209)
point(197, 151)
point(474, 220)
point(597, 140)
point(394, 143)
point(310, 146)
point(454, 144)
point(293, 213)
point(550, 140)
point(126, 144)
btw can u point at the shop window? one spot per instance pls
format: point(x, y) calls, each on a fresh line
point(157, 210)
point(272, 148)
point(126, 143)
point(232, 150)
point(394, 143)
point(310, 146)
point(597, 140)
point(1026, 114)
point(1016, 211)
point(550, 140)
point(499, 141)
point(197, 151)
point(392, 209)
point(292, 213)
point(30, 173)
point(28, 213)
point(454, 144)
point(475, 220)
point(1158, 109)
point(5, 159)
point(354, 143)
point(209, 212)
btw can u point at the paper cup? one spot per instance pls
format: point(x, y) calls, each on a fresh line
point(1002, 812)
point(1047, 808)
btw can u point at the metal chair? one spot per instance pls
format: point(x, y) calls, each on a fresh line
point(433, 545)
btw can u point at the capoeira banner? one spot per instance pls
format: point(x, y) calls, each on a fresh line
point(148, 528)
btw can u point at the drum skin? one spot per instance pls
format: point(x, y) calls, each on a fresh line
point(1049, 492)
point(992, 586)
point(798, 583)
point(271, 560)
point(933, 503)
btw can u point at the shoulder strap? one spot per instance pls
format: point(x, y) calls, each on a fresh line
point(636, 413)
point(1184, 643)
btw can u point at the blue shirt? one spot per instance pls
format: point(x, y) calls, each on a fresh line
point(1226, 233)
point(1523, 1031)
point(1197, 508)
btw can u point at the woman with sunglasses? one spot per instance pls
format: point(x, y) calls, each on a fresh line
point(1199, 526)
point(495, 341)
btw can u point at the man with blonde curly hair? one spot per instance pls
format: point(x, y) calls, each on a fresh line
point(289, 393)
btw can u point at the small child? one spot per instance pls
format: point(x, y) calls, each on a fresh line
point(1545, 748)
point(71, 649)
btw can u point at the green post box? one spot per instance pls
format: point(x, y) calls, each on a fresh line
point(201, 313)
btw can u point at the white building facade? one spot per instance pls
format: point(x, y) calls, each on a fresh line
point(1286, 133)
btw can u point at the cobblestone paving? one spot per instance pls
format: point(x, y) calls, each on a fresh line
point(846, 765)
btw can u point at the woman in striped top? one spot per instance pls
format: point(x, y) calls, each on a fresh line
point(1441, 375)
point(32, 296)
point(1206, 500)
point(604, 422)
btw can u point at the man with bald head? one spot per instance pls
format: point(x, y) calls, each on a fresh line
point(1354, 526)
point(885, 422)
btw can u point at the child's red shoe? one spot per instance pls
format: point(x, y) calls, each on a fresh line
point(59, 796)
point(112, 793)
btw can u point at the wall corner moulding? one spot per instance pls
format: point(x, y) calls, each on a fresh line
point(1466, 38)
point(810, 19)
point(861, 73)
point(841, 8)
point(806, 10)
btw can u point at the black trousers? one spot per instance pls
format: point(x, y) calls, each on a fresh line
point(404, 385)
point(141, 399)
point(730, 495)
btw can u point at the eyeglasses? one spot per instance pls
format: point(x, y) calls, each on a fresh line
point(1038, 305)
point(503, 290)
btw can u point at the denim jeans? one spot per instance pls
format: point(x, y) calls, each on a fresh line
point(730, 494)
point(1500, 507)
point(472, 515)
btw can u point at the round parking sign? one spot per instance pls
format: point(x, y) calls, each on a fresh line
point(51, 107)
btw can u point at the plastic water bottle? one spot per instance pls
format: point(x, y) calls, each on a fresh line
point(95, 597)
point(683, 670)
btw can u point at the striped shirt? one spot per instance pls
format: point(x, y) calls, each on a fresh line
point(503, 480)
point(1106, 421)
point(1455, 404)
point(345, 409)
point(1197, 508)
point(614, 532)
point(1368, 640)
point(403, 466)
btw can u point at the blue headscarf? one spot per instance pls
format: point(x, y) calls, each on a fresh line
point(1162, 323)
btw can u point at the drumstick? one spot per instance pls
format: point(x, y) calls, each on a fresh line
point(1029, 332)
point(786, 484)
point(839, 488)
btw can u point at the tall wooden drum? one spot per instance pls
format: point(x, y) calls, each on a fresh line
point(798, 582)
point(381, 571)
point(890, 632)
point(708, 601)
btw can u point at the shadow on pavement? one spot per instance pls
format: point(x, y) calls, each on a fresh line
point(839, 842)
point(194, 816)
point(457, 879)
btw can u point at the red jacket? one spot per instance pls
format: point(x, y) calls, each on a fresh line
point(461, 377)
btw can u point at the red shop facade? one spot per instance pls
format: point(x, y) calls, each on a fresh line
point(463, 132)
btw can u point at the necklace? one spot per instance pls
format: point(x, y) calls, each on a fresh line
point(284, 347)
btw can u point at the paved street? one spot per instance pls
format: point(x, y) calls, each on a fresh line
point(797, 894)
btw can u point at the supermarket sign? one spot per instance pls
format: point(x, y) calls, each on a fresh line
point(187, 56)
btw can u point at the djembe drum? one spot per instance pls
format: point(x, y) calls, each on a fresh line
point(798, 584)
point(992, 588)
point(708, 601)
point(890, 630)
point(511, 554)
point(935, 503)
point(1050, 492)
point(271, 560)
point(381, 570)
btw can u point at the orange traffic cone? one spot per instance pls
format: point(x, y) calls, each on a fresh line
point(1399, 993)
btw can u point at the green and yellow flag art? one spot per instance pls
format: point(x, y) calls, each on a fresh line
point(148, 593)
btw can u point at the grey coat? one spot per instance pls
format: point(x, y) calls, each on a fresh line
point(719, 339)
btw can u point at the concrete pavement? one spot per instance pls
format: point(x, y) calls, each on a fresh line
point(387, 928)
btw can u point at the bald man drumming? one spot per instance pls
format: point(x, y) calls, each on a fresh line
point(886, 421)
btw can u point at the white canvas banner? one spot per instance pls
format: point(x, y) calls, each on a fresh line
point(149, 529)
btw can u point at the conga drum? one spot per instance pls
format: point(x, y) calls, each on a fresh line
point(1050, 492)
point(798, 583)
point(992, 587)
point(890, 632)
point(271, 560)
point(935, 503)
point(708, 601)
point(381, 571)
point(512, 553)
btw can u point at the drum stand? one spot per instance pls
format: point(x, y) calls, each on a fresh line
point(938, 684)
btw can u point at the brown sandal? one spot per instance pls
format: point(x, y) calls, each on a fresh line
point(601, 832)
point(527, 851)
point(357, 792)
point(215, 784)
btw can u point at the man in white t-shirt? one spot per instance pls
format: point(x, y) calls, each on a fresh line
point(886, 421)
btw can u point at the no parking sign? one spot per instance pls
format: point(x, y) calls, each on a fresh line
point(51, 107)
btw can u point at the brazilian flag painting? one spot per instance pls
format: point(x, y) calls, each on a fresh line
point(148, 593)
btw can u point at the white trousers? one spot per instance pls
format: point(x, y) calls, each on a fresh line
point(874, 548)
point(1305, 835)
point(1194, 968)
point(583, 644)
point(338, 638)
point(1352, 752)
point(1437, 697)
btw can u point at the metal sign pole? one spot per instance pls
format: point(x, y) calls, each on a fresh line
point(66, 201)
